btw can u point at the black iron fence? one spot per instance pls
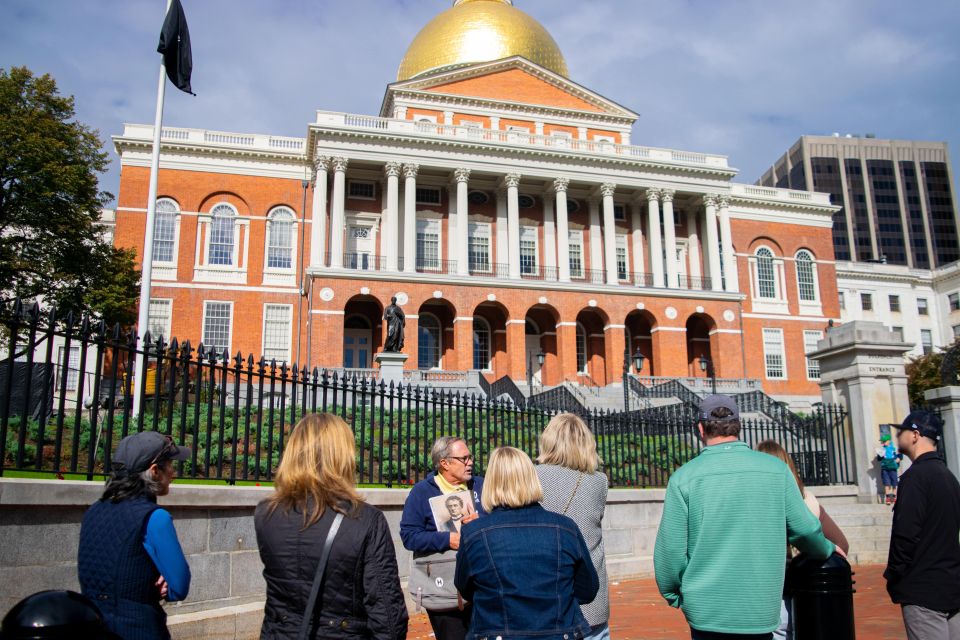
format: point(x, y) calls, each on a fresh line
point(67, 392)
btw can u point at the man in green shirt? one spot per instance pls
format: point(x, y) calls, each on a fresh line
point(727, 517)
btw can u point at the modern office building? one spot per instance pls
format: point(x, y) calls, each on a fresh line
point(897, 196)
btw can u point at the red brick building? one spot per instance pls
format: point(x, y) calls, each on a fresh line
point(507, 210)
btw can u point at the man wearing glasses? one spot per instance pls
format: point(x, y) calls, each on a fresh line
point(923, 568)
point(434, 551)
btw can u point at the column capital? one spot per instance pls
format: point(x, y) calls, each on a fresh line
point(667, 195)
point(653, 194)
point(410, 170)
point(320, 163)
point(339, 163)
point(392, 169)
point(709, 200)
point(724, 201)
point(512, 180)
point(461, 175)
point(561, 184)
point(607, 189)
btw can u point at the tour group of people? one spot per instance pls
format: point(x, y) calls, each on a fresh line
point(519, 554)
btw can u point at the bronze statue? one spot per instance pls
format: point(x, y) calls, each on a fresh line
point(393, 314)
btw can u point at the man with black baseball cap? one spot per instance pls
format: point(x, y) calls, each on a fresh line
point(923, 568)
point(129, 557)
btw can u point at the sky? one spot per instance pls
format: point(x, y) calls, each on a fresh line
point(745, 78)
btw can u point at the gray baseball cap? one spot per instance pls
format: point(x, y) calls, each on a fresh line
point(708, 404)
point(137, 452)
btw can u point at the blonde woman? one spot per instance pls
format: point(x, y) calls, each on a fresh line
point(525, 569)
point(361, 595)
point(572, 486)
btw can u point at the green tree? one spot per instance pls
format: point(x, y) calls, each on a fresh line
point(923, 373)
point(52, 246)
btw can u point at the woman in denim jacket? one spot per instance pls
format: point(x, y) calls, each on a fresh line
point(526, 570)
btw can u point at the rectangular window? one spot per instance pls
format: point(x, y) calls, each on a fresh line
point(528, 250)
point(361, 190)
point(158, 318)
point(894, 304)
point(70, 368)
point(276, 332)
point(810, 340)
point(428, 195)
point(428, 245)
point(926, 340)
point(773, 354)
point(479, 248)
point(866, 301)
point(954, 300)
point(575, 247)
point(164, 236)
point(843, 301)
point(898, 332)
point(217, 317)
point(619, 212)
point(922, 308)
point(622, 270)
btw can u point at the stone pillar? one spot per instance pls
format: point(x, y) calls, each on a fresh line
point(338, 221)
point(636, 221)
point(410, 218)
point(517, 349)
point(391, 230)
point(411, 333)
point(503, 241)
point(670, 239)
point(596, 243)
point(463, 342)
point(614, 341)
point(609, 232)
point(693, 248)
point(947, 399)
point(563, 229)
point(318, 231)
point(730, 271)
point(512, 181)
point(549, 239)
point(462, 177)
point(713, 242)
point(567, 350)
point(862, 368)
point(653, 230)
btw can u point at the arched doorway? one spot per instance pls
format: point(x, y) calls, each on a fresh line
point(540, 337)
point(490, 339)
point(434, 333)
point(639, 335)
point(362, 331)
point(591, 347)
point(699, 326)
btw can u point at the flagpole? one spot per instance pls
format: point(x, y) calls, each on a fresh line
point(146, 269)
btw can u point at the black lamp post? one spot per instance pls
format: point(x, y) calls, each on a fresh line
point(638, 361)
point(706, 364)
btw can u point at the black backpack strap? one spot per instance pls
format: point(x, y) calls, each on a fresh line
point(315, 589)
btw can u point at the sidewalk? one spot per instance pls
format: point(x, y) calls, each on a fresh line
point(637, 612)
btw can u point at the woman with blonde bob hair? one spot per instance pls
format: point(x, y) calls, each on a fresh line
point(361, 594)
point(572, 486)
point(525, 569)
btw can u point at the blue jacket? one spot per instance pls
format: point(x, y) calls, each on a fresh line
point(526, 571)
point(417, 528)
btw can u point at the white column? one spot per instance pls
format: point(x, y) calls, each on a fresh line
point(713, 242)
point(391, 227)
point(693, 247)
point(512, 181)
point(653, 230)
point(462, 177)
point(596, 242)
point(318, 231)
point(670, 239)
point(636, 221)
point(451, 235)
point(502, 239)
point(337, 221)
point(609, 232)
point(730, 271)
point(410, 217)
point(563, 230)
point(549, 239)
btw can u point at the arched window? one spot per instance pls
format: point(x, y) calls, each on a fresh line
point(806, 280)
point(581, 349)
point(280, 239)
point(481, 344)
point(165, 231)
point(428, 342)
point(766, 276)
point(222, 235)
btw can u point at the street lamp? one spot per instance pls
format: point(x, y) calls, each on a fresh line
point(706, 364)
point(541, 357)
point(637, 361)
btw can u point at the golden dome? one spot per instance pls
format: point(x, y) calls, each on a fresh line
point(479, 31)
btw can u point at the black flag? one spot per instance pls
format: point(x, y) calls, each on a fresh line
point(175, 47)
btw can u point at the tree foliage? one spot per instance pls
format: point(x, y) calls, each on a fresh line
point(923, 373)
point(52, 246)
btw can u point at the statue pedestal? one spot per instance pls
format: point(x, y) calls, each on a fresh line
point(391, 366)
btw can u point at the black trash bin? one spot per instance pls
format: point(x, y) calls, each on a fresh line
point(822, 594)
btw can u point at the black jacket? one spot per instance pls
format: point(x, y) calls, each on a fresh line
point(924, 564)
point(361, 596)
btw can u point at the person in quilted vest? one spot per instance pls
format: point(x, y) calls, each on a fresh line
point(129, 557)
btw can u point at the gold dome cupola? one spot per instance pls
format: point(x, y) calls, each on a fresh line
point(475, 31)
